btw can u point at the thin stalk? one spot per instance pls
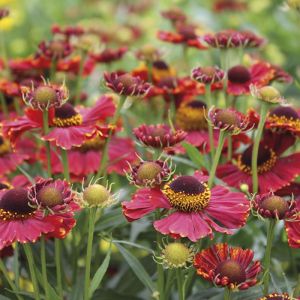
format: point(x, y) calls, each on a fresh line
point(3, 105)
point(180, 288)
point(79, 79)
point(263, 116)
point(229, 148)
point(227, 294)
point(44, 267)
point(65, 162)
point(87, 278)
point(47, 143)
point(53, 69)
point(9, 281)
point(57, 250)
point(104, 158)
point(31, 265)
point(267, 258)
point(149, 71)
point(216, 158)
point(17, 106)
point(16, 266)
point(210, 127)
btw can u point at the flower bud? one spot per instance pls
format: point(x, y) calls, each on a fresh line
point(96, 195)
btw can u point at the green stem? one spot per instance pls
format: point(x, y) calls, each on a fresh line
point(44, 267)
point(47, 143)
point(79, 79)
point(149, 71)
point(10, 282)
point(17, 106)
point(53, 69)
point(103, 163)
point(210, 127)
point(216, 158)
point(180, 284)
point(58, 267)
point(29, 256)
point(87, 278)
point(267, 258)
point(263, 116)
point(65, 162)
point(16, 265)
point(229, 148)
point(227, 293)
point(4, 105)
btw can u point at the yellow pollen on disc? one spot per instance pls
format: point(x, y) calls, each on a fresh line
point(190, 118)
point(293, 124)
point(6, 215)
point(188, 202)
point(73, 121)
point(262, 168)
point(4, 147)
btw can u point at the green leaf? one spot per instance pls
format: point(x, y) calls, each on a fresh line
point(52, 292)
point(194, 154)
point(100, 273)
point(137, 268)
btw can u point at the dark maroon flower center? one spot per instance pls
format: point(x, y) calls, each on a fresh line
point(285, 111)
point(264, 155)
point(239, 74)
point(126, 80)
point(227, 117)
point(160, 64)
point(16, 201)
point(66, 111)
point(275, 203)
point(187, 185)
point(1, 140)
point(49, 196)
point(232, 270)
point(3, 186)
point(197, 104)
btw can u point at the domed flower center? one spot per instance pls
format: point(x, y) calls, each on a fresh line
point(158, 132)
point(58, 48)
point(232, 270)
point(269, 94)
point(239, 74)
point(126, 80)
point(4, 186)
point(176, 255)
point(49, 196)
point(208, 71)
point(265, 161)
point(4, 146)
point(168, 82)
point(96, 195)
point(227, 117)
point(275, 204)
point(187, 194)
point(45, 94)
point(188, 32)
point(191, 116)
point(66, 116)
point(14, 204)
point(148, 170)
point(160, 65)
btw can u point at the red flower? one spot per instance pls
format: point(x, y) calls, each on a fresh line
point(274, 171)
point(230, 267)
point(86, 159)
point(185, 34)
point(108, 55)
point(194, 209)
point(207, 75)
point(67, 31)
point(233, 39)
point(174, 15)
point(240, 78)
point(71, 128)
point(54, 49)
point(229, 5)
point(158, 136)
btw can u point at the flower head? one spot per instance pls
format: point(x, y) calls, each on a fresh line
point(45, 96)
point(148, 53)
point(226, 266)
point(273, 206)
point(149, 173)
point(97, 195)
point(158, 136)
point(229, 120)
point(109, 55)
point(174, 15)
point(267, 94)
point(276, 296)
point(233, 39)
point(55, 49)
point(175, 255)
point(207, 75)
point(126, 84)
